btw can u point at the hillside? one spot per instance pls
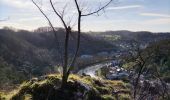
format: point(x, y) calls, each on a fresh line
point(25, 54)
point(36, 53)
point(124, 39)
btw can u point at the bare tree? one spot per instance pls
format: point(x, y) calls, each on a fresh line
point(80, 15)
point(145, 64)
point(67, 67)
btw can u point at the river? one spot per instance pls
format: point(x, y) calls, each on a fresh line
point(90, 70)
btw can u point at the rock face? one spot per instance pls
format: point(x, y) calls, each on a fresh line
point(78, 88)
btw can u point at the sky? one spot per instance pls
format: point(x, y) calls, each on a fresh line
point(132, 15)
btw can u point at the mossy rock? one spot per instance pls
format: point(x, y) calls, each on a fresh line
point(78, 87)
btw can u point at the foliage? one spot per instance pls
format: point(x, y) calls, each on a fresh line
point(9, 75)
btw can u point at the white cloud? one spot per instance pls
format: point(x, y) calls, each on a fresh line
point(155, 15)
point(30, 19)
point(27, 25)
point(9, 24)
point(125, 7)
point(25, 4)
point(158, 21)
point(18, 3)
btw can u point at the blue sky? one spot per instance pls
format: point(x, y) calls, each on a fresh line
point(133, 15)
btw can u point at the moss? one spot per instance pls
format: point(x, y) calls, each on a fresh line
point(86, 80)
point(104, 90)
point(108, 97)
point(27, 97)
point(124, 97)
point(2, 96)
point(49, 86)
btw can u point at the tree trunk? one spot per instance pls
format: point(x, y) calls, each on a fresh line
point(77, 46)
point(64, 77)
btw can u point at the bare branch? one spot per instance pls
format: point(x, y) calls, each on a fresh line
point(51, 25)
point(44, 15)
point(63, 12)
point(97, 11)
point(60, 16)
point(78, 8)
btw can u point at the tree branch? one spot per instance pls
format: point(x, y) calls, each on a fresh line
point(91, 13)
point(51, 25)
point(60, 16)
